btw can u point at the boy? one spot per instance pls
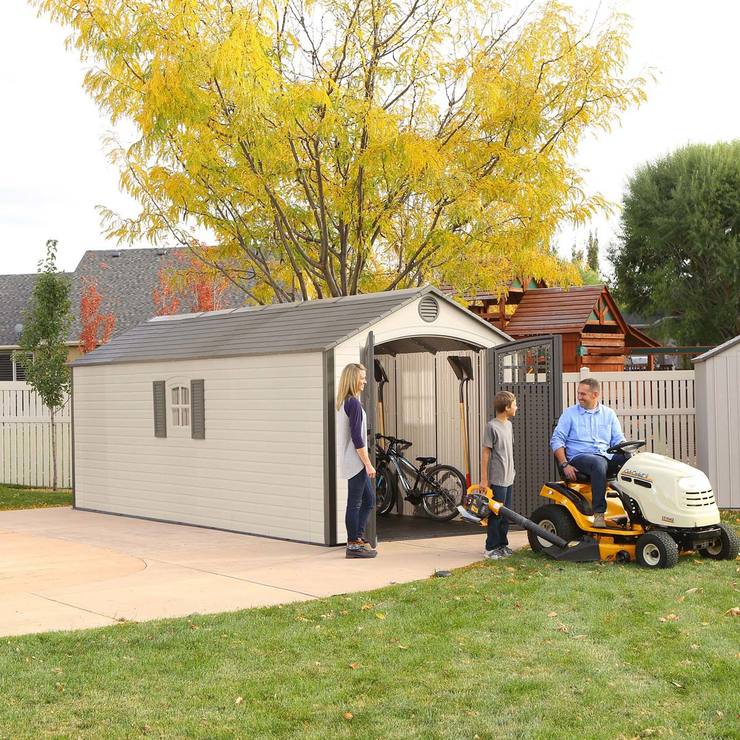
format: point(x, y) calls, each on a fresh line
point(497, 471)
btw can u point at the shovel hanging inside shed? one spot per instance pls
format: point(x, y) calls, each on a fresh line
point(463, 368)
point(381, 378)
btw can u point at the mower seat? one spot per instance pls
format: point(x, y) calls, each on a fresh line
point(426, 460)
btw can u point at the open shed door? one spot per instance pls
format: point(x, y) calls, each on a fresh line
point(369, 402)
point(531, 369)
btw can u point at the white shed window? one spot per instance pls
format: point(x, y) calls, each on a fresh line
point(180, 405)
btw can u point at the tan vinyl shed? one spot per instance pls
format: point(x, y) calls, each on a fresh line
point(226, 419)
point(717, 420)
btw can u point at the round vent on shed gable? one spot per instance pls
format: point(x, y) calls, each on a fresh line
point(428, 308)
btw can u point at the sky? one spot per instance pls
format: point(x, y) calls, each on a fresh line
point(54, 171)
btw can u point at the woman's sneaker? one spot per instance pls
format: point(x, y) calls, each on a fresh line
point(364, 543)
point(493, 554)
point(358, 551)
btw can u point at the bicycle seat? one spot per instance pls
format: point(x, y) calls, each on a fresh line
point(426, 460)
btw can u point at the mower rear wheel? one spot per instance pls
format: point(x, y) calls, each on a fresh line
point(555, 519)
point(656, 550)
point(726, 549)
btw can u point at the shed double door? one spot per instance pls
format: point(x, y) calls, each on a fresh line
point(531, 369)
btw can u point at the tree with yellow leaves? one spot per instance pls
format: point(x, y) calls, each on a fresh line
point(342, 146)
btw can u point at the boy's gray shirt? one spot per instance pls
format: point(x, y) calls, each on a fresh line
point(499, 436)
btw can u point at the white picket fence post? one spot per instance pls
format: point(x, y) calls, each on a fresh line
point(25, 439)
point(655, 406)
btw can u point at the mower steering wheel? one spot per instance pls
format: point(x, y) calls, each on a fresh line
point(627, 446)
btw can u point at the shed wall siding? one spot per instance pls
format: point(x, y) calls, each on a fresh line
point(718, 432)
point(263, 441)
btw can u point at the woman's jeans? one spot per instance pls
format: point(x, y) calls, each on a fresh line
point(360, 502)
point(498, 526)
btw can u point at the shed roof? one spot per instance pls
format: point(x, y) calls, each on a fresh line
point(553, 310)
point(718, 349)
point(308, 326)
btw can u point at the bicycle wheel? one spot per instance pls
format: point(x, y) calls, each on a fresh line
point(441, 499)
point(385, 492)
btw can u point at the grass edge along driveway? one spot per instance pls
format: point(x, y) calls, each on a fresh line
point(522, 647)
point(14, 497)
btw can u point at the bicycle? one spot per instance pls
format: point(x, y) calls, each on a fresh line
point(438, 489)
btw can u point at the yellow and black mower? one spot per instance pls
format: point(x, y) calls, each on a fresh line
point(657, 509)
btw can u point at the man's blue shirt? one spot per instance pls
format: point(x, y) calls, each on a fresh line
point(586, 432)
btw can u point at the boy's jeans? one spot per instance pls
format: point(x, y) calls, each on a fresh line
point(498, 526)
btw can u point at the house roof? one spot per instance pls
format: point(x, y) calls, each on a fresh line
point(125, 279)
point(553, 310)
point(718, 349)
point(15, 292)
point(308, 326)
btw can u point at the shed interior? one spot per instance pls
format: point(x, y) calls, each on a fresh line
point(421, 405)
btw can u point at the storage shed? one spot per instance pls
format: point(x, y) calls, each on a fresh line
point(717, 388)
point(226, 419)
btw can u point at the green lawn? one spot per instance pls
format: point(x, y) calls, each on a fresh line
point(518, 648)
point(22, 497)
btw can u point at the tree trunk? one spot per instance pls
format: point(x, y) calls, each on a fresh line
point(53, 453)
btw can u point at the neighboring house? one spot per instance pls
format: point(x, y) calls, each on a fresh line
point(126, 280)
point(593, 330)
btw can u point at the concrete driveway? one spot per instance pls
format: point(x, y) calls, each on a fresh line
point(62, 569)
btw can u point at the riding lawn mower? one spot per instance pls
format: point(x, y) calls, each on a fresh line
point(657, 509)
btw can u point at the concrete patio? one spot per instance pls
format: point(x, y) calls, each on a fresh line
point(62, 569)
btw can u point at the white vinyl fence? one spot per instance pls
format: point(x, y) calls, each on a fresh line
point(655, 406)
point(25, 439)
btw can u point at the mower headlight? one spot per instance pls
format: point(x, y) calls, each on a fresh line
point(694, 483)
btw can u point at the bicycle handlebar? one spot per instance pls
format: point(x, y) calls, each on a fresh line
point(403, 443)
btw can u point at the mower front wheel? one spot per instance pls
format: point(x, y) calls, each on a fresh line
point(656, 550)
point(726, 549)
point(555, 519)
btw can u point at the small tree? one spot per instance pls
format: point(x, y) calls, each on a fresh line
point(592, 252)
point(43, 343)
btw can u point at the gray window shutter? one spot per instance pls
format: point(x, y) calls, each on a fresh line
point(197, 410)
point(160, 409)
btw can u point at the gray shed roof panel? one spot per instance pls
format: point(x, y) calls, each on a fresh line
point(293, 327)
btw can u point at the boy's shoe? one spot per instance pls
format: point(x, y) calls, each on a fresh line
point(358, 551)
point(507, 550)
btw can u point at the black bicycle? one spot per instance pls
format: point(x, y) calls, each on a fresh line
point(438, 489)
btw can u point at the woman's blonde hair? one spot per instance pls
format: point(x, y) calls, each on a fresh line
point(349, 382)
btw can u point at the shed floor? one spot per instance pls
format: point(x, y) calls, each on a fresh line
point(393, 528)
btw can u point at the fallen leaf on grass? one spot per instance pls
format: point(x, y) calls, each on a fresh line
point(403, 647)
point(380, 615)
point(354, 666)
point(734, 612)
point(720, 713)
point(692, 591)
point(365, 607)
point(676, 683)
point(562, 627)
point(239, 700)
point(694, 647)
point(301, 618)
point(669, 618)
point(579, 637)
point(347, 715)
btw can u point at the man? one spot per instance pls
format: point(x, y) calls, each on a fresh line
point(580, 440)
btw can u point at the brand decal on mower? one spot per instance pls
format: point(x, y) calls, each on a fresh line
point(637, 474)
point(668, 519)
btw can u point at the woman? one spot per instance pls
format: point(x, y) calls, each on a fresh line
point(354, 461)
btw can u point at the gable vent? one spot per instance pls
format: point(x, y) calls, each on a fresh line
point(428, 308)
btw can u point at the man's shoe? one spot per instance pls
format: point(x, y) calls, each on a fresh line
point(599, 521)
point(357, 551)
